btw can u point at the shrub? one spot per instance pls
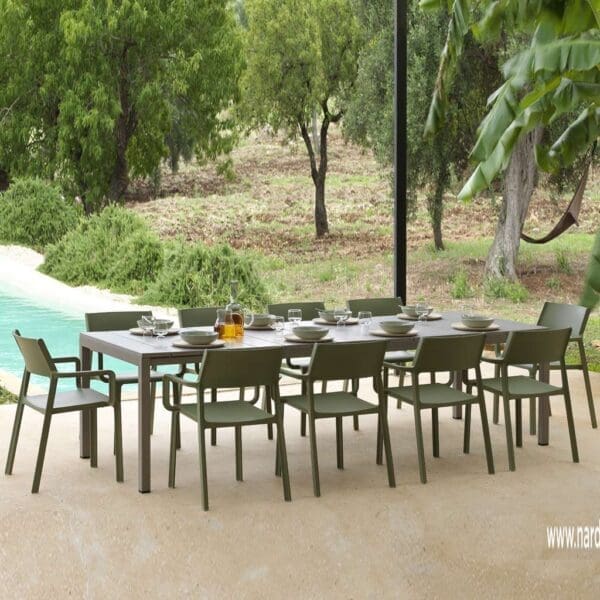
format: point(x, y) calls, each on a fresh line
point(460, 286)
point(34, 213)
point(496, 287)
point(199, 275)
point(562, 260)
point(114, 249)
point(6, 396)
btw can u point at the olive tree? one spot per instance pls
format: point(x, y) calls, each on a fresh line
point(301, 60)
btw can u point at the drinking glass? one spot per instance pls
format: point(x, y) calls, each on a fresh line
point(161, 327)
point(422, 310)
point(365, 318)
point(294, 316)
point(341, 315)
point(248, 317)
point(278, 326)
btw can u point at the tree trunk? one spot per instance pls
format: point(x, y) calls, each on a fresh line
point(519, 182)
point(321, 224)
point(4, 180)
point(435, 205)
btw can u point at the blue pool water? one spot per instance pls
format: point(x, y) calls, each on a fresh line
point(60, 330)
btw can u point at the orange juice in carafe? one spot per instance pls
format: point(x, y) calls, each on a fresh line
point(237, 313)
point(225, 325)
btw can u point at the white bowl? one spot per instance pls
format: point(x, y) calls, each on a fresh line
point(477, 321)
point(396, 326)
point(197, 336)
point(411, 310)
point(310, 332)
point(329, 315)
point(262, 320)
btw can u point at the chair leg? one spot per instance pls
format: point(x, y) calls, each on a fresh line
point(345, 385)
point(303, 414)
point(267, 406)
point(519, 422)
point(532, 416)
point(355, 384)
point(314, 459)
point(173, 448)
point(118, 394)
point(571, 423)
point(339, 438)
point(282, 455)
point(420, 447)
point(239, 473)
point(94, 437)
point(588, 385)
point(496, 405)
point(213, 431)
point(12, 450)
point(467, 432)
point(435, 430)
point(39, 465)
point(486, 437)
point(401, 376)
point(509, 437)
point(203, 475)
point(355, 423)
point(152, 405)
point(118, 442)
point(388, 445)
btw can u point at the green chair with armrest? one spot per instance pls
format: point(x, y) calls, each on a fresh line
point(229, 369)
point(39, 362)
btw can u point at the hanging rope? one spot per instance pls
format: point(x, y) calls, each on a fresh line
point(571, 214)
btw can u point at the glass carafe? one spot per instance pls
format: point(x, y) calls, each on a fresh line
point(237, 312)
point(225, 325)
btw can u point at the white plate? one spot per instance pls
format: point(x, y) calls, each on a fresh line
point(259, 327)
point(215, 344)
point(140, 331)
point(290, 337)
point(350, 321)
point(463, 327)
point(382, 333)
point(430, 317)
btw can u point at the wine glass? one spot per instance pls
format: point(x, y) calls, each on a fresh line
point(278, 326)
point(161, 327)
point(294, 316)
point(341, 315)
point(248, 317)
point(422, 310)
point(365, 318)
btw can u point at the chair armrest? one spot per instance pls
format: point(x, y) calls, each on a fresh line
point(180, 380)
point(498, 360)
point(398, 367)
point(105, 375)
point(293, 373)
point(68, 359)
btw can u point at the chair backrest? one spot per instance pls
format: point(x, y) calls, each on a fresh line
point(114, 320)
point(35, 354)
point(449, 353)
point(353, 360)
point(379, 307)
point(236, 368)
point(536, 346)
point(197, 317)
point(309, 309)
point(559, 316)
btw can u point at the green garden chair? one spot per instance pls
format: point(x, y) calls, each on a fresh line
point(441, 354)
point(339, 362)
point(39, 362)
point(383, 307)
point(559, 316)
point(229, 369)
point(298, 366)
point(530, 347)
point(117, 321)
point(206, 317)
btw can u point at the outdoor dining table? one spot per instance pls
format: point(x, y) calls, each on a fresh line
point(147, 352)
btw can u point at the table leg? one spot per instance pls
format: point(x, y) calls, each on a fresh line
point(544, 409)
point(144, 421)
point(458, 381)
point(85, 354)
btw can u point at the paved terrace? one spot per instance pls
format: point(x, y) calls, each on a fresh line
point(464, 533)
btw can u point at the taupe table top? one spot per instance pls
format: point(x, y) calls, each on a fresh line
point(145, 353)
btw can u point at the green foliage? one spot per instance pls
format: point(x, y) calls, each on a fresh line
point(97, 91)
point(114, 249)
point(502, 288)
point(591, 291)
point(34, 213)
point(461, 287)
point(6, 396)
point(553, 283)
point(556, 75)
point(563, 261)
point(200, 275)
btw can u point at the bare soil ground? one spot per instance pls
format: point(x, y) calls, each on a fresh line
point(266, 209)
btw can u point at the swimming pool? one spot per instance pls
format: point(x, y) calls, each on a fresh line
point(59, 329)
